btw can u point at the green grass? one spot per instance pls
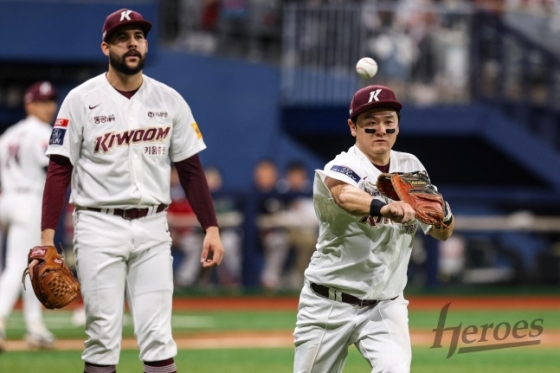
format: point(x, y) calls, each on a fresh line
point(518, 360)
point(199, 321)
point(425, 360)
point(60, 322)
point(514, 360)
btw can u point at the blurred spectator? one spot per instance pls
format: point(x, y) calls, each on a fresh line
point(197, 23)
point(453, 56)
point(302, 224)
point(390, 45)
point(265, 29)
point(537, 19)
point(452, 259)
point(181, 220)
point(228, 210)
point(423, 23)
point(233, 24)
point(273, 236)
point(210, 13)
point(492, 6)
point(265, 176)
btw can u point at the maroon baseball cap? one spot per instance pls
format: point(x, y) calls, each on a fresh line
point(373, 96)
point(40, 91)
point(124, 17)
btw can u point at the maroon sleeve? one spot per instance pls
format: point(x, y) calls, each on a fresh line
point(54, 195)
point(196, 190)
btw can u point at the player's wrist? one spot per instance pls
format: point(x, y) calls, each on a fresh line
point(375, 207)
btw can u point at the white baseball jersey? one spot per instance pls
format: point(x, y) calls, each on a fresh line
point(120, 148)
point(22, 156)
point(22, 162)
point(360, 255)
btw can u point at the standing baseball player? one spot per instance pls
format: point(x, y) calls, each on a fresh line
point(113, 139)
point(353, 292)
point(22, 175)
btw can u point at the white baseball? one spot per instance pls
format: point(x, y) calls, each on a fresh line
point(366, 67)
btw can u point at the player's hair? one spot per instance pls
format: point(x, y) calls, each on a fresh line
point(296, 165)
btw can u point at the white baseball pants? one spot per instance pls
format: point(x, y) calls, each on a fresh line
point(326, 328)
point(114, 256)
point(20, 214)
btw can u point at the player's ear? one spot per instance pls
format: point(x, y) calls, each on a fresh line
point(105, 48)
point(353, 127)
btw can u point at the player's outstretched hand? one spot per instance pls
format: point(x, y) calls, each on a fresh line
point(212, 248)
point(399, 212)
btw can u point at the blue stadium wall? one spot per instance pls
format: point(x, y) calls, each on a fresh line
point(237, 106)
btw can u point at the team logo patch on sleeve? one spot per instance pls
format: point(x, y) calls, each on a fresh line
point(197, 130)
point(61, 122)
point(57, 136)
point(346, 171)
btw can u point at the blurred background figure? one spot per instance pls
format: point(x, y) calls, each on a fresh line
point(229, 210)
point(181, 220)
point(274, 239)
point(22, 174)
point(188, 237)
point(300, 218)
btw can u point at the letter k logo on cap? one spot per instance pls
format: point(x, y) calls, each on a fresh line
point(125, 15)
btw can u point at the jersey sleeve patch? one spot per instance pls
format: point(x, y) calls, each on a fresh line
point(57, 136)
point(61, 122)
point(346, 171)
point(197, 130)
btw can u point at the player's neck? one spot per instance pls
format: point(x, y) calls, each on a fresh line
point(380, 162)
point(124, 82)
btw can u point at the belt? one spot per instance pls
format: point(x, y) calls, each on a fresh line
point(130, 214)
point(342, 297)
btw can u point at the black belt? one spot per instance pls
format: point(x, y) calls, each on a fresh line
point(344, 298)
point(129, 214)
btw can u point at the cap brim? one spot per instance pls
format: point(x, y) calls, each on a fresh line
point(143, 24)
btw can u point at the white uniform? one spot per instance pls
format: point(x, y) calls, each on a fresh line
point(364, 257)
point(120, 149)
point(22, 162)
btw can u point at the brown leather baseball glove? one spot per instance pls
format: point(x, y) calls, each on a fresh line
point(415, 189)
point(53, 282)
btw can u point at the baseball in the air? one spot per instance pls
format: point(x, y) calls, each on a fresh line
point(366, 67)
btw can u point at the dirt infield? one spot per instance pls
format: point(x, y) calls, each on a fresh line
point(277, 339)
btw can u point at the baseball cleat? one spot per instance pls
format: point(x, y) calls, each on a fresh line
point(40, 341)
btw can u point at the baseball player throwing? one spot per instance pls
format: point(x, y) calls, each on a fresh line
point(353, 292)
point(113, 139)
point(22, 174)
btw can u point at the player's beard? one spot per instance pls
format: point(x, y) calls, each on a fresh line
point(119, 63)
